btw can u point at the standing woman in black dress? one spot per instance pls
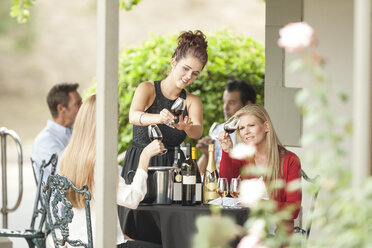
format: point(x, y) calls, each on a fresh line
point(152, 102)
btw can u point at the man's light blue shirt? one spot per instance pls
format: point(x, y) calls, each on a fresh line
point(52, 139)
point(218, 148)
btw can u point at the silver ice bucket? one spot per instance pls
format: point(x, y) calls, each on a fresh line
point(162, 177)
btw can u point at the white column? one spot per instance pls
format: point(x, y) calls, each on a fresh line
point(279, 99)
point(362, 89)
point(107, 119)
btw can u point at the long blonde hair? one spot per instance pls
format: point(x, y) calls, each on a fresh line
point(79, 157)
point(274, 147)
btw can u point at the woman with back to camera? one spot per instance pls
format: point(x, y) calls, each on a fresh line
point(152, 102)
point(78, 164)
point(255, 128)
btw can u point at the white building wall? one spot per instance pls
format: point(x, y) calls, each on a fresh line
point(333, 22)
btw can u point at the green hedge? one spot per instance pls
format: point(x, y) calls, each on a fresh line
point(231, 56)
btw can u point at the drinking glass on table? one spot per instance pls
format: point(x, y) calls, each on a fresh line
point(222, 188)
point(155, 133)
point(231, 125)
point(234, 187)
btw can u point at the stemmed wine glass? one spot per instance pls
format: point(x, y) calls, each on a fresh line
point(231, 125)
point(177, 108)
point(222, 188)
point(213, 131)
point(234, 187)
point(155, 133)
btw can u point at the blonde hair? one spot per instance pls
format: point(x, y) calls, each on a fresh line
point(274, 147)
point(79, 157)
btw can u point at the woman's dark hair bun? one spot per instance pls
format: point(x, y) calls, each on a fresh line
point(192, 43)
point(192, 39)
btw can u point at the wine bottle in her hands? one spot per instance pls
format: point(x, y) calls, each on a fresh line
point(177, 177)
point(210, 178)
point(198, 186)
point(188, 179)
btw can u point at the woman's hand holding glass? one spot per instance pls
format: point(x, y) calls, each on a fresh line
point(225, 141)
point(155, 134)
point(166, 117)
point(154, 148)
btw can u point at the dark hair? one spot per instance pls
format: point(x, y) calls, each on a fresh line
point(192, 43)
point(59, 94)
point(247, 91)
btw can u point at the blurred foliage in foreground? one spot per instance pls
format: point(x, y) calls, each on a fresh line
point(18, 38)
point(21, 8)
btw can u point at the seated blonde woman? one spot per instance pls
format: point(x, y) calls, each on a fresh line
point(78, 163)
point(255, 128)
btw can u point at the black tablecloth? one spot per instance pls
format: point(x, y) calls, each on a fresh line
point(170, 225)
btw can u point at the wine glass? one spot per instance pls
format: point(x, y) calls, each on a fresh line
point(231, 125)
point(178, 106)
point(177, 109)
point(155, 133)
point(222, 188)
point(213, 131)
point(234, 187)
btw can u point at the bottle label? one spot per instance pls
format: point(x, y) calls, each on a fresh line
point(209, 192)
point(178, 178)
point(188, 179)
point(177, 191)
point(208, 196)
point(198, 192)
point(211, 186)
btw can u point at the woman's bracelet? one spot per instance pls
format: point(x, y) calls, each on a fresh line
point(140, 122)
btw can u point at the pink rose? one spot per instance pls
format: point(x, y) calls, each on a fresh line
point(296, 36)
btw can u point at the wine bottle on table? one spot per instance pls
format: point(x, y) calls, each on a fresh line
point(177, 177)
point(188, 179)
point(210, 178)
point(199, 185)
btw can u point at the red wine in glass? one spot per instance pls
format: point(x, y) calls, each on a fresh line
point(231, 125)
point(178, 106)
point(234, 194)
point(222, 193)
point(177, 112)
point(229, 130)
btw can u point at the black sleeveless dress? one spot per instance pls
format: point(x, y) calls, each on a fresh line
point(172, 137)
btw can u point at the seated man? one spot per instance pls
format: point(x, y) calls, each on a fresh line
point(64, 102)
point(238, 93)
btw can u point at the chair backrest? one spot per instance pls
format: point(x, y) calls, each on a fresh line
point(40, 209)
point(306, 230)
point(60, 211)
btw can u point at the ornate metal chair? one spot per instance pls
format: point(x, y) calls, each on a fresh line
point(298, 229)
point(60, 213)
point(35, 236)
point(33, 164)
